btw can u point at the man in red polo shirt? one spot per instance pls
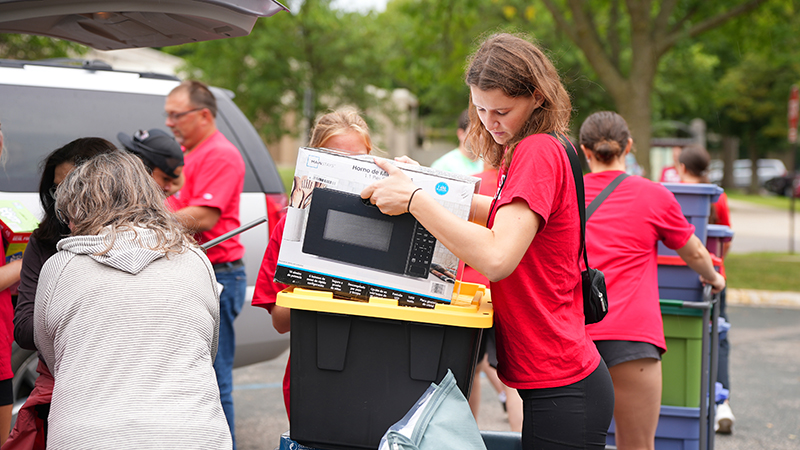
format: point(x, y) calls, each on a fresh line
point(208, 204)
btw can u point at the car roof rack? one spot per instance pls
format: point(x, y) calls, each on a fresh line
point(77, 63)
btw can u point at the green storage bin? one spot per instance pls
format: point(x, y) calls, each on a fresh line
point(681, 364)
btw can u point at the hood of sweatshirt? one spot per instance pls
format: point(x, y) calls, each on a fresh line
point(130, 253)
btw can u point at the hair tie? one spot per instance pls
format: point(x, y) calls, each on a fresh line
point(408, 208)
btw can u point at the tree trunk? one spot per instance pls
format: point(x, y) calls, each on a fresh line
point(635, 108)
point(730, 151)
point(752, 151)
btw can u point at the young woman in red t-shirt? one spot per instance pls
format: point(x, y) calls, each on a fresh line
point(622, 237)
point(526, 241)
point(344, 130)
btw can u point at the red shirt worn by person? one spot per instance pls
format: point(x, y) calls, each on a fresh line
point(621, 239)
point(542, 341)
point(214, 173)
point(266, 291)
point(670, 175)
point(722, 211)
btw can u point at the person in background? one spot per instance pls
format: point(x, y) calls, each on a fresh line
point(526, 241)
point(160, 153)
point(621, 238)
point(342, 130)
point(30, 429)
point(461, 159)
point(208, 204)
point(9, 275)
point(670, 174)
point(129, 305)
point(693, 168)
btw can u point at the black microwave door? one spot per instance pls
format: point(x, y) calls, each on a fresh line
point(344, 228)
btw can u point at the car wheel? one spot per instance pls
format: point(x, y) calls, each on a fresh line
point(23, 363)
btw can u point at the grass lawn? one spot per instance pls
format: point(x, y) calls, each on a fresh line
point(767, 271)
point(774, 201)
point(287, 175)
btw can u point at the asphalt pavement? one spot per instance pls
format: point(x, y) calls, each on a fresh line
point(765, 361)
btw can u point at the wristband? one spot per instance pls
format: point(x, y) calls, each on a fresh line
point(408, 208)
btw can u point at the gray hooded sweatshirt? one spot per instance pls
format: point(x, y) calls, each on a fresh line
point(130, 338)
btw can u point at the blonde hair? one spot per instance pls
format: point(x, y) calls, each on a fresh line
point(337, 123)
point(114, 192)
point(518, 68)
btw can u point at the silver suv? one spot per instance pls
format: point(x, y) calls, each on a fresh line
point(47, 105)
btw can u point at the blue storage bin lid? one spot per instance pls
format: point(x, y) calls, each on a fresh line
point(711, 190)
point(720, 231)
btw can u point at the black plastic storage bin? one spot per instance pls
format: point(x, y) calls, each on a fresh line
point(358, 367)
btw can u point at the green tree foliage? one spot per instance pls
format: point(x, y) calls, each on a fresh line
point(624, 43)
point(761, 63)
point(315, 51)
point(31, 48)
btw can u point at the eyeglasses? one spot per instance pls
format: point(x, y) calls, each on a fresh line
point(176, 116)
point(62, 217)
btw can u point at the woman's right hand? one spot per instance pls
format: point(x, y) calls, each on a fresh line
point(392, 194)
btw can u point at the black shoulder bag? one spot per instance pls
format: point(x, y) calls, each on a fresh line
point(595, 298)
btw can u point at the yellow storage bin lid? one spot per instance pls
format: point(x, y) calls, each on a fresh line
point(471, 306)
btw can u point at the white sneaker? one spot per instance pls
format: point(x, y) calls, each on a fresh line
point(724, 418)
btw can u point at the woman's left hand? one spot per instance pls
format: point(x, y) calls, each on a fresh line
point(392, 193)
point(717, 284)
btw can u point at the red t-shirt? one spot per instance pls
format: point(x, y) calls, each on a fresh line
point(621, 240)
point(542, 341)
point(670, 175)
point(266, 290)
point(214, 173)
point(488, 187)
point(723, 211)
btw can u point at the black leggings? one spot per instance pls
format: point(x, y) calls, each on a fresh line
point(568, 417)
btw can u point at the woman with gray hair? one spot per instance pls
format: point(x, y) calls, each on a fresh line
point(128, 306)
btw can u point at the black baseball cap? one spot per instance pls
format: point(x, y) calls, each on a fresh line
point(156, 147)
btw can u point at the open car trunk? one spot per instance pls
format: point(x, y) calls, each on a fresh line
point(111, 25)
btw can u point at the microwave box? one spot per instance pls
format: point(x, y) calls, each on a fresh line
point(333, 240)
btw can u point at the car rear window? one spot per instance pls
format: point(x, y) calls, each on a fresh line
point(44, 119)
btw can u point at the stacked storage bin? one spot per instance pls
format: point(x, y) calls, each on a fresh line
point(358, 367)
point(718, 236)
point(689, 366)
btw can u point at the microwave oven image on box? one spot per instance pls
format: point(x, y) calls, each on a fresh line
point(333, 241)
point(341, 226)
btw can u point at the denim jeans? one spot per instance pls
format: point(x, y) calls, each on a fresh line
point(231, 301)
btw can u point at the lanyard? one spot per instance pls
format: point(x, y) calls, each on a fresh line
point(497, 195)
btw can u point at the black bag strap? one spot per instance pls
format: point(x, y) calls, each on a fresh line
point(604, 194)
point(577, 173)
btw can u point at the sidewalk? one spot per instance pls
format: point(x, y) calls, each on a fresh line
point(752, 297)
